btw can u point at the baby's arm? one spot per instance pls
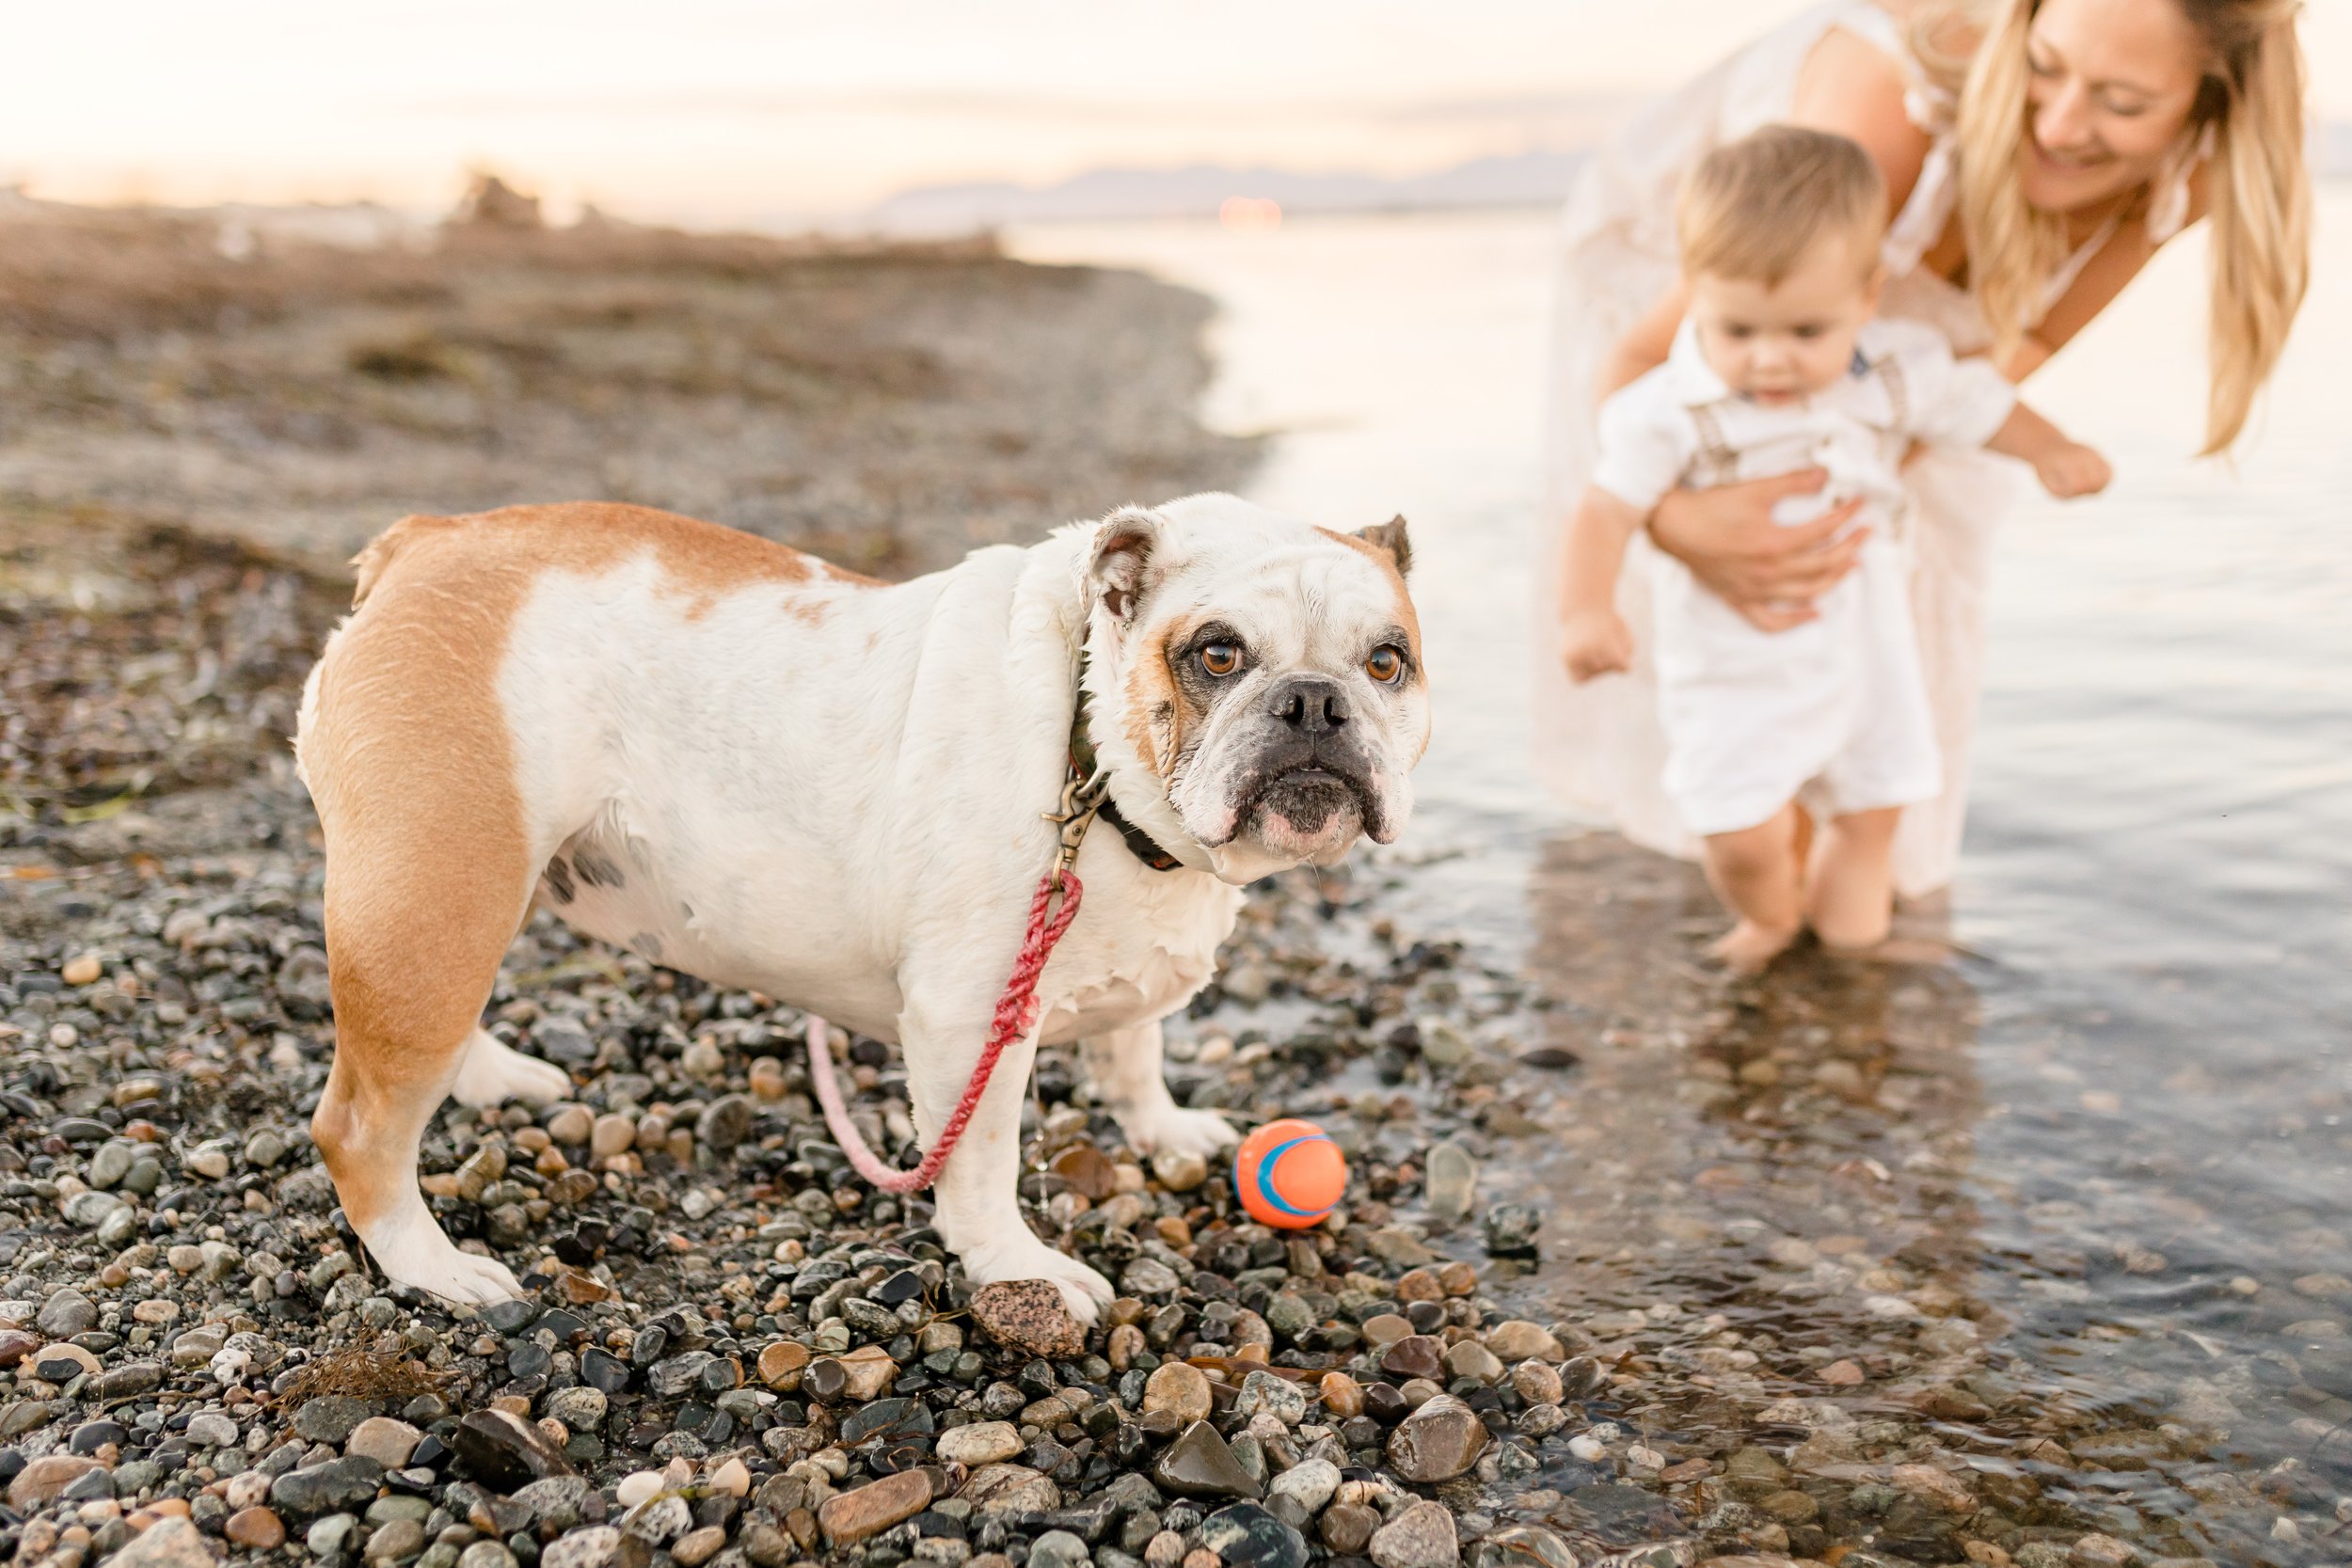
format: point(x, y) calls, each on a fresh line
point(1594, 638)
point(1643, 446)
point(2066, 468)
point(1969, 403)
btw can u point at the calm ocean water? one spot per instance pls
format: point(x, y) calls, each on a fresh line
point(2152, 1116)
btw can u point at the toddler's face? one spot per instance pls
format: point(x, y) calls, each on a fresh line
point(1779, 343)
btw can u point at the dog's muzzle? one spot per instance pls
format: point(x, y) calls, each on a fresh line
point(1307, 766)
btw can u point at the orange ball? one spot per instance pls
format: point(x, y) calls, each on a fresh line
point(1289, 1174)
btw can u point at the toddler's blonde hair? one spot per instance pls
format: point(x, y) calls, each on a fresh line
point(1752, 208)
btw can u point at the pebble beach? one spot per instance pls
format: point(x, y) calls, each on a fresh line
point(735, 1352)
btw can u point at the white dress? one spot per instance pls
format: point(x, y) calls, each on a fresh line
point(1599, 744)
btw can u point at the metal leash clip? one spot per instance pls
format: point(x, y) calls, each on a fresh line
point(1081, 799)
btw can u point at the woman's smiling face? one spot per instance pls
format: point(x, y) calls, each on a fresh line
point(2111, 85)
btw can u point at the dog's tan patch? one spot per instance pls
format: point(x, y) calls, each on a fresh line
point(1155, 707)
point(404, 745)
point(1385, 561)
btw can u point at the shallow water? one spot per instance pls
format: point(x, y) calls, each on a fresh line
point(2107, 1114)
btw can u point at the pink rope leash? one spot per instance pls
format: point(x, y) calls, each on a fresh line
point(1016, 1011)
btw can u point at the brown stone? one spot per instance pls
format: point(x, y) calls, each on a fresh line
point(1473, 1361)
point(1422, 1536)
point(1347, 1527)
point(1458, 1278)
point(1440, 1440)
point(50, 1361)
point(1949, 1403)
point(1088, 1170)
point(848, 1517)
point(1532, 1546)
point(387, 1441)
point(1419, 1285)
point(1341, 1395)
point(1010, 1489)
point(256, 1528)
point(1180, 1389)
point(1415, 1355)
point(1028, 1316)
point(42, 1480)
point(696, 1547)
point(1126, 1342)
point(866, 1373)
point(1522, 1341)
point(782, 1363)
point(1937, 1486)
point(1537, 1384)
point(1199, 1464)
point(170, 1543)
point(1840, 1374)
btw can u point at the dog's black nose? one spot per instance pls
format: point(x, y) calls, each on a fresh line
point(1311, 705)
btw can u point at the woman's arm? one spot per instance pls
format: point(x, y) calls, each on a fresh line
point(1849, 87)
point(2093, 290)
point(1644, 347)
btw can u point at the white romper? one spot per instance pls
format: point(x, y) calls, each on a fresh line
point(1837, 708)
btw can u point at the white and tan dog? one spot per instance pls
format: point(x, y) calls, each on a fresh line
point(750, 766)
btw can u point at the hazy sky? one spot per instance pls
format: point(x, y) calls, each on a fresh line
point(709, 110)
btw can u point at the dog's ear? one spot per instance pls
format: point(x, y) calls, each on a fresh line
point(1124, 543)
point(1391, 536)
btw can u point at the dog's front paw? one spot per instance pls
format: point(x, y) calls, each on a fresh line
point(1085, 1292)
point(1172, 1129)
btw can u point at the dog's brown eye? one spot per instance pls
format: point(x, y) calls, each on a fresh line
point(1385, 665)
point(1220, 658)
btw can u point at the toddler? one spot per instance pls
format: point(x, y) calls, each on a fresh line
point(1779, 366)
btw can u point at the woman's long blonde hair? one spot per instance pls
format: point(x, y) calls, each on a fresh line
point(2258, 192)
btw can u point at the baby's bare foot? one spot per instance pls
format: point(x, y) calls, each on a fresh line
point(1747, 947)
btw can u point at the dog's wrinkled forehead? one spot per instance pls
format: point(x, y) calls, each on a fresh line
point(1299, 594)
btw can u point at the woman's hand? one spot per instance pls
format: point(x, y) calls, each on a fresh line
point(1768, 573)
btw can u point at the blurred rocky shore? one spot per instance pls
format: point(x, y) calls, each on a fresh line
point(300, 379)
point(1753, 1334)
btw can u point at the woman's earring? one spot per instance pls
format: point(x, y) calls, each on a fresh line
point(2168, 193)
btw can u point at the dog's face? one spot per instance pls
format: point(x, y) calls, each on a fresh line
point(1266, 673)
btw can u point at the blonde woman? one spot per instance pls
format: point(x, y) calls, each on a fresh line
point(2037, 152)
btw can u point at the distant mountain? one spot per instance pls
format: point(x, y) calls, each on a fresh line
point(2332, 150)
point(1197, 190)
point(1526, 178)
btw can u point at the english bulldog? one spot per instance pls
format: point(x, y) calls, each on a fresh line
point(750, 765)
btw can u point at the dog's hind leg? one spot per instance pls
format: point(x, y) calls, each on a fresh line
point(492, 1072)
point(408, 1004)
point(1124, 1068)
point(430, 869)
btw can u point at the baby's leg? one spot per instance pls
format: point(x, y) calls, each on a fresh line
point(1754, 872)
point(1850, 897)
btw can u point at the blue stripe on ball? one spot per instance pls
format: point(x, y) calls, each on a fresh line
point(1266, 1186)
